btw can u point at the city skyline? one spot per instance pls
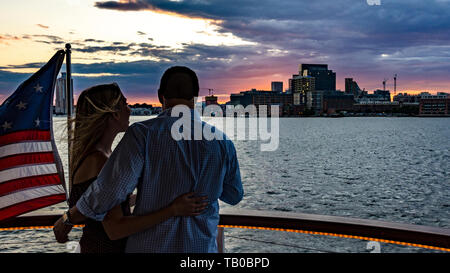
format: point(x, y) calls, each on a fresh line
point(232, 49)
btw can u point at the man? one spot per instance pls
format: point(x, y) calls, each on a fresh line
point(161, 168)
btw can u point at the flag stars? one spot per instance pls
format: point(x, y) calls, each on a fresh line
point(38, 122)
point(38, 88)
point(22, 105)
point(7, 125)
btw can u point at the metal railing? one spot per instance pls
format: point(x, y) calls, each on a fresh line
point(372, 230)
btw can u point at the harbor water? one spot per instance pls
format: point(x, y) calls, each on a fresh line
point(381, 168)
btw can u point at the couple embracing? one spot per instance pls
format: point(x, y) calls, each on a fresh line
point(178, 182)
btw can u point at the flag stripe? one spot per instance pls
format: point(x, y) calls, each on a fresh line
point(31, 172)
point(25, 148)
point(30, 194)
point(29, 182)
point(25, 159)
point(31, 205)
point(15, 173)
point(24, 135)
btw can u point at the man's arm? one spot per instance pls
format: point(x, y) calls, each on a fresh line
point(61, 230)
point(233, 191)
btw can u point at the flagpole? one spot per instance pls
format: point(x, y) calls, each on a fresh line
point(69, 103)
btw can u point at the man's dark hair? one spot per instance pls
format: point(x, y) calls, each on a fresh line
point(180, 90)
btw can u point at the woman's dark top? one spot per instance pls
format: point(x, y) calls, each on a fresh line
point(94, 238)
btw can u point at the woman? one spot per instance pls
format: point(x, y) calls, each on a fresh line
point(102, 112)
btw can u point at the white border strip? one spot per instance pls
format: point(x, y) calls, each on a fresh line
point(29, 194)
point(26, 171)
point(25, 147)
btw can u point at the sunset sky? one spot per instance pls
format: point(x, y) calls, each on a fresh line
point(233, 45)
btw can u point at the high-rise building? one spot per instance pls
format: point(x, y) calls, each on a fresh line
point(299, 85)
point(277, 86)
point(351, 87)
point(60, 90)
point(325, 78)
point(314, 101)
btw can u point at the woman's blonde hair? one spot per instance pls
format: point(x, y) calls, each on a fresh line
point(94, 106)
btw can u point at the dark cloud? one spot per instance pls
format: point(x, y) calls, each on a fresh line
point(125, 6)
point(20, 66)
point(335, 26)
point(349, 35)
point(46, 39)
point(50, 37)
point(94, 40)
point(94, 49)
point(9, 81)
point(6, 37)
point(42, 26)
point(141, 78)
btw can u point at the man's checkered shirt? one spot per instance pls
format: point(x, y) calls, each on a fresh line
point(161, 168)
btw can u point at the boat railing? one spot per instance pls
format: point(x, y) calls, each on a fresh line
point(435, 238)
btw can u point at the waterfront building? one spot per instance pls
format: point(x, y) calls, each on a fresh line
point(293, 110)
point(383, 95)
point(405, 98)
point(376, 106)
point(299, 86)
point(325, 79)
point(434, 105)
point(351, 87)
point(377, 96)
point(314, 100)
point(211, 100)
point(156, 110)
point(60, 96)
point(336, 101)
point(277, 86)
point(261, 97)
point(141, 111)
point(236, 99)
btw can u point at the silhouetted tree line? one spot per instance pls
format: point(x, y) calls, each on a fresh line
point(141, 105)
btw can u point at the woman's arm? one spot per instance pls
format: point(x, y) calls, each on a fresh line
point(118, 226)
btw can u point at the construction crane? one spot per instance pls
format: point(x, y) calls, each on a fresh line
point(395, 83)
point(210, 91)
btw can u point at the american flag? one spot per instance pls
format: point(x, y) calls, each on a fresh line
point(31, 173)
